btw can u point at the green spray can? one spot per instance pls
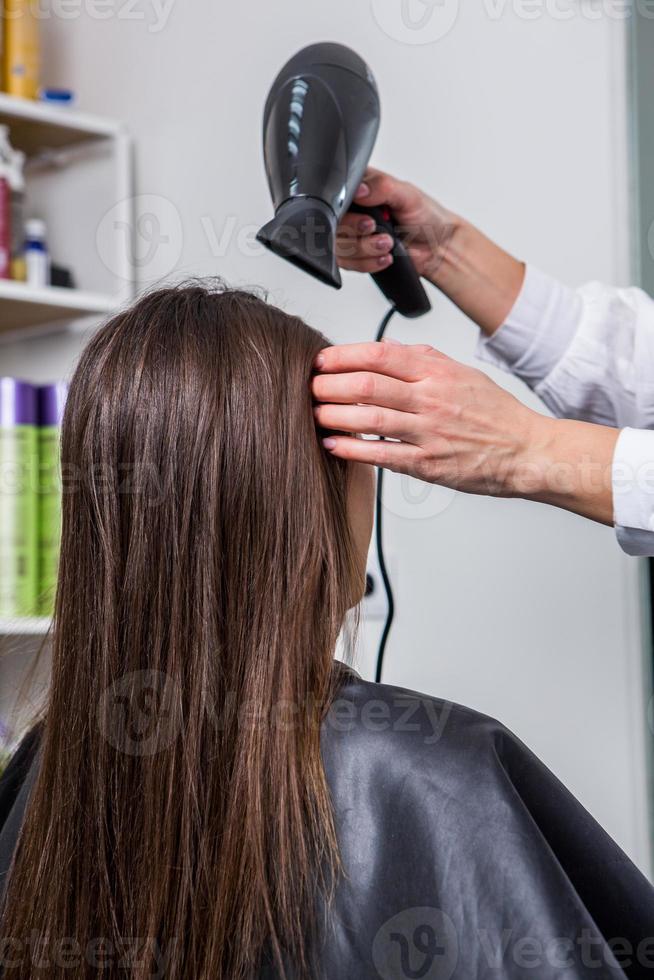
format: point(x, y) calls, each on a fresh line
point(51, 401)
point(18, 498)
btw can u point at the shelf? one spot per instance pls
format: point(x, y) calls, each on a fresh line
point(37, 127)
point(24, 306)
point(24, 627)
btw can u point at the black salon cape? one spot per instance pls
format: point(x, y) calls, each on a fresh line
point(463, 856)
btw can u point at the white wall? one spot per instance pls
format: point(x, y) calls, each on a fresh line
point(523, 612)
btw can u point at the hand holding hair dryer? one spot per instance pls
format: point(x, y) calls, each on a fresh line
point(320, 124)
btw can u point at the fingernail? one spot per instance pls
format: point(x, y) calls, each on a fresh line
point(362, 191)
point(367, 224)
point(384, 260)
point(384, 243)
point(319, 361)
point(392, 340)
point(329, 443)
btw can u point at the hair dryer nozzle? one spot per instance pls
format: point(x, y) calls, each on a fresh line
point(303, 231)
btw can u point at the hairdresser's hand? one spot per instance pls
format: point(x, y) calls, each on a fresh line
point(481, 278)
point(457, 428)
point(424, 224)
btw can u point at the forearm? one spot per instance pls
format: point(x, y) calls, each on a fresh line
point(476, 274)
point(568, 465)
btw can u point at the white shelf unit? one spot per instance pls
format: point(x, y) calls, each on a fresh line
point(79, 168)
point(37, 126)
point(23, 306)
point(56, 140)
point(33, 626)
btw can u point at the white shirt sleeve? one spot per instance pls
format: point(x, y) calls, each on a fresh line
point(589, 355)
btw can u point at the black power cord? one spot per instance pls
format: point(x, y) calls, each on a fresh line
point(380, 538)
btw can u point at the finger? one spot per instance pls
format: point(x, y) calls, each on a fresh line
point(424, 348)
point(366, 265)
point(364, 389)
point(371, 420)
point(402, 362)
point(370, 175)
point(395, 456)
point(366, 247)
point(356, 224)
point(383, 189)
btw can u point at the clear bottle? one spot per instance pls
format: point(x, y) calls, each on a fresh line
point(5, 203)
point(17, 188)
point(6, 148)
point(5, 220)
point(37, 259)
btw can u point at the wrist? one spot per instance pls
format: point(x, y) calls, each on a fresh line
point(476, 274)
point(447, 262)
point(567, 464)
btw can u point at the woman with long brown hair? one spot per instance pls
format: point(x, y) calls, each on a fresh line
point(207, 794)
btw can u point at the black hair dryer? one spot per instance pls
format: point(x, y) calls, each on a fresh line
point(319, 127)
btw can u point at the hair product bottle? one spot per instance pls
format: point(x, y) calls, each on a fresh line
point(8, 180)
point(18, 501)
point(51, 400)
point(5, 203)
point(21, 49)
point(5, 219)
point(17, 188)
point(37, 258)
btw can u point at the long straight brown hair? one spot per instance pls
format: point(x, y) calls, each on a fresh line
point(206, 569)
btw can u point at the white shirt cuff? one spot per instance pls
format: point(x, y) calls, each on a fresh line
point(537, 331)
point(633, 491)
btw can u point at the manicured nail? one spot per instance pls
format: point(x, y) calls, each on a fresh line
point(329, 443)
point(384, 243)
point(319, 361)
point(363, 191)
point(367, 225)
point(384, 260)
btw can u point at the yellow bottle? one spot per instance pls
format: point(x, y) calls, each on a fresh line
point(21, 49)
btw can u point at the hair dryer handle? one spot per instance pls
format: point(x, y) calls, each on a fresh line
point(400, 282)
